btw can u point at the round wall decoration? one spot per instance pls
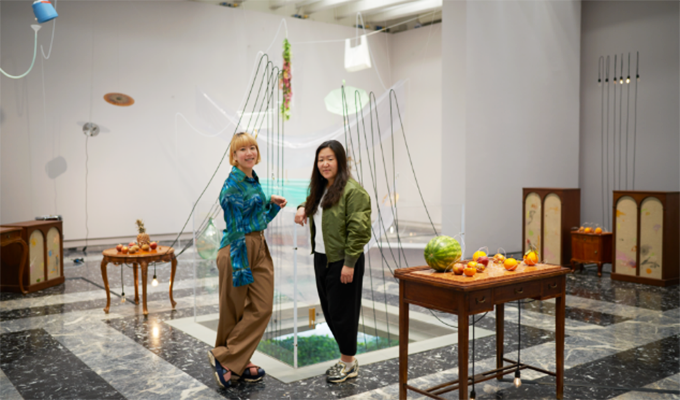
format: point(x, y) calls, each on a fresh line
point(119, 99)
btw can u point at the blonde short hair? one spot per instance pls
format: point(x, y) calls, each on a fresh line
point(239, 140)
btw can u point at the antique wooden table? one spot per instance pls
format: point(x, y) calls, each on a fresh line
point(12, 235)
point(466, 296)
point(142, 258)
point(591, 248)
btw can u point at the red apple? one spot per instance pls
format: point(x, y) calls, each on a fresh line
point(483, 260)
point(124, 250)
point(119, 247)
point(153, 245)
point(458, 268)
point(131, 244)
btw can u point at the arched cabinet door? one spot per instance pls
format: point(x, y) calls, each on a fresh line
point(552, 226)
point(625, 259)
point(36, 257)
point(532, 221)
point(651, 238)
point(53, 253)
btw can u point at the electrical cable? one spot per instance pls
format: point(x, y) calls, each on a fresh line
point(36, 28)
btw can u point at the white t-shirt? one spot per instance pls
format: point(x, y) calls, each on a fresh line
point(318, 235)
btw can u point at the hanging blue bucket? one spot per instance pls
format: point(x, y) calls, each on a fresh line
point(44, 11)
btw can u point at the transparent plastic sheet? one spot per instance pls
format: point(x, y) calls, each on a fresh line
point(219, 121)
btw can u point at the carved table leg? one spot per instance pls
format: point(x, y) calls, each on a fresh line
point(500, 330)
point(136, 272)
point(145, 267)
point(105, 278)
point(559, 344)
point(172, 280)
point(463, 344)
point(403, 342)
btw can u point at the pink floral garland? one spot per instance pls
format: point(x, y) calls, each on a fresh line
point(285, 79)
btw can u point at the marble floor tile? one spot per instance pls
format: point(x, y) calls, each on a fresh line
point(38, 366)
point(7, 389)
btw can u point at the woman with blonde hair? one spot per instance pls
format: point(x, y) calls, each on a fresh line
point(339, 213)
point(246, 270)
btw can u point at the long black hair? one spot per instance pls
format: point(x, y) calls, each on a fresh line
point(318, 182)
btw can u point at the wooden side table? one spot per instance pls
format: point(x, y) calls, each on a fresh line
point(10, 273)
point(466, 296)
point(142, 258)
point(591, 248)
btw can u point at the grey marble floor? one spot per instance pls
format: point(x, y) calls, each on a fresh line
point(623, 342)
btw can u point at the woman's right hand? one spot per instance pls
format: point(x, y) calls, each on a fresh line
point(300, 217)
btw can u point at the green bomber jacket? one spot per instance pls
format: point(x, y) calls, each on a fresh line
point(346, 226)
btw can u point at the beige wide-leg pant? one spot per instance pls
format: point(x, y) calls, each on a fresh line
point(244, 310)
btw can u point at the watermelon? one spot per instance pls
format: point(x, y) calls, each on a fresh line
point(442, 252)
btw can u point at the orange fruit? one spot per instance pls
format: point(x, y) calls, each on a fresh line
point(470, 271)
point(531, 258)
point(478, 254)
point(598, 230)
point(588, 230)
point(510, 264)
point(581, 229)
point(472, 264)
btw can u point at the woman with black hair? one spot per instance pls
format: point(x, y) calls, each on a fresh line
point(339, 213)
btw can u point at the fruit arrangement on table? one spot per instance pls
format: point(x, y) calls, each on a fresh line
point(443, 254)
point(587, 229)
point(143, 243)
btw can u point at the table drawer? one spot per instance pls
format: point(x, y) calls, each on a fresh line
point(7, 236)
point(552, 286)
point(517, 291)
point(480, 300)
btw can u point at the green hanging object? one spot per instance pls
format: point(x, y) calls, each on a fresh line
point(208, 242)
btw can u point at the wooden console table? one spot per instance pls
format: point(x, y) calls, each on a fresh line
point(591, 248)
point(143, 258)
point(466, 296)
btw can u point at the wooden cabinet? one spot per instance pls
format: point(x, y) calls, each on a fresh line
point(547, 218)
point(44, 266)
point(646, 237)
point(11, 269)
point(591, 248)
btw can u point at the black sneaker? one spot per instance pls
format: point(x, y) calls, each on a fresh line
point(341, 374)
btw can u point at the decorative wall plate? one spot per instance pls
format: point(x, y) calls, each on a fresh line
point(119, 99)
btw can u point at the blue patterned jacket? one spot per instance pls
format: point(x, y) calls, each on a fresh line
point(246, 209)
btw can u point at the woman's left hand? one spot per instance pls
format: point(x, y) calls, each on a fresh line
point(347, 274)
point(279, 200)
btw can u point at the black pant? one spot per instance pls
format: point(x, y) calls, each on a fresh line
point(340, 302)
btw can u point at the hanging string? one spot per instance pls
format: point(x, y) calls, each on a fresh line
point(627, 116)
point(620, 119)
point(54, 24)
point(606, 80)
point(600, 69)
point(219, 164)
point(637, 79)
point(614, 126)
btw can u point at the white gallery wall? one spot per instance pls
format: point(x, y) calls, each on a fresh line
point(520, 105)
point(150, 164)
point(622, 27)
